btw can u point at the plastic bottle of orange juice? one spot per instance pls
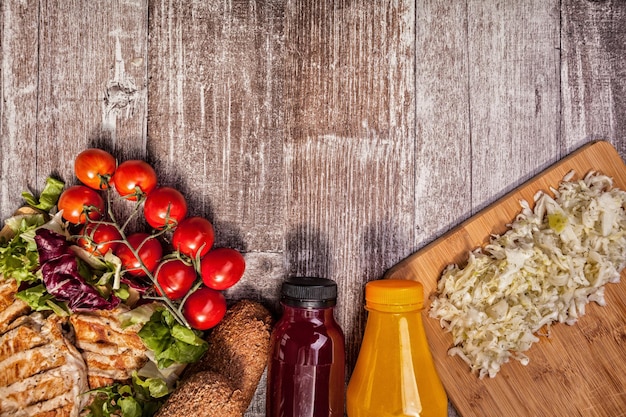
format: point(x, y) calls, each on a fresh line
point(394, 373)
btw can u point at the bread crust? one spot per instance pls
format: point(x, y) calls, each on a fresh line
point(224, 381)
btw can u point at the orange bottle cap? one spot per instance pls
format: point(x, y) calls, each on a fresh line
point(394, 295)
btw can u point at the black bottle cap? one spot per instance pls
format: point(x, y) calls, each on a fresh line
point(309, 292)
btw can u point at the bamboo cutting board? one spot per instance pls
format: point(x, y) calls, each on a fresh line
point(578, 370)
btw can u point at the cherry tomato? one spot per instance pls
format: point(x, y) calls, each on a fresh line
point(149, 251)
point(222, 268)
point(175, 277)
point(133, 178)
point(164, 206)
point(99, 238)
point(204, 308)
point(93, 167)
point(192, 236)
point(78, 199)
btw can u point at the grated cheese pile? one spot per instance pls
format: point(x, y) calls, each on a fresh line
point(550, 263)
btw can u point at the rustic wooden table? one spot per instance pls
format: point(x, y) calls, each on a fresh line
point(329, 138)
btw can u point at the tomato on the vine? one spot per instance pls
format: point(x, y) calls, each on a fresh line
point(204, 308)
point(175, 277)
point(94, 167)
point(99, 238)
point(133, 178)
point(194, 236)
point(164, 206)
point(149, 250)
point(78, 200)
point(222, 268)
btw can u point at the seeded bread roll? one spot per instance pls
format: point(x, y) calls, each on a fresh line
point(223, 382)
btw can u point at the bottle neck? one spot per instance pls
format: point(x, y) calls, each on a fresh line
point(294, 313)
point(391, 310)
point(376, 315)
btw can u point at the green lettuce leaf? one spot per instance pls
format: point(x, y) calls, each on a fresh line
point(18, 256)
point(170, 341)
point(49, 196)
point(152, 387)
point(39, 299)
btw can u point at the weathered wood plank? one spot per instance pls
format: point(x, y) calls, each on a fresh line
point(57, 70)
point(350, 145)
point(593, 70)
point(443, 141)
point(215, 114)
point(18, 104)
point(91, 81)
point(514, 93)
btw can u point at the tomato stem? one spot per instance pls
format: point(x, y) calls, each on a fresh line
point(170, 304)
point(191, 291)
point(175, 310)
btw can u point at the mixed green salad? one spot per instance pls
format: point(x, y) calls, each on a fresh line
point(69, 254)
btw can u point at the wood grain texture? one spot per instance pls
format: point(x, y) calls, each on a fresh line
point(19, 89)
point(65, 87)
point(514, 93)
point(216, 129)
point(442, 138)
point(216, 126)
point(91, 79)
point(330, 138)
point(593, 70)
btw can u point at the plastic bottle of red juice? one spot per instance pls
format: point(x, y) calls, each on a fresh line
point(306, 375)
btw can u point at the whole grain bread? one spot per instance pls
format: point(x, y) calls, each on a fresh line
point(204, 393)
point(223, 382)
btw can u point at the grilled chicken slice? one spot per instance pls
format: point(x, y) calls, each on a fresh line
point(41, 372)
point(11, 308)
point(47, 363)
point(111, 353)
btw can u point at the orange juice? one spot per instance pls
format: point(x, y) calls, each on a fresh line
point(394, 373)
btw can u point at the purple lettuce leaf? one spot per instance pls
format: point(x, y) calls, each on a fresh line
point(59, 269)
point(50, 245)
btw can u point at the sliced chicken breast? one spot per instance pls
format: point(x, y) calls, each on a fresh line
point(110, 352)
point(41, 372)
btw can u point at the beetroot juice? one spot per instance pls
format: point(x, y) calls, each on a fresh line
point(307, 354)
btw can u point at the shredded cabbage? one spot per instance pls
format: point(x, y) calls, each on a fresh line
point(545, 268)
